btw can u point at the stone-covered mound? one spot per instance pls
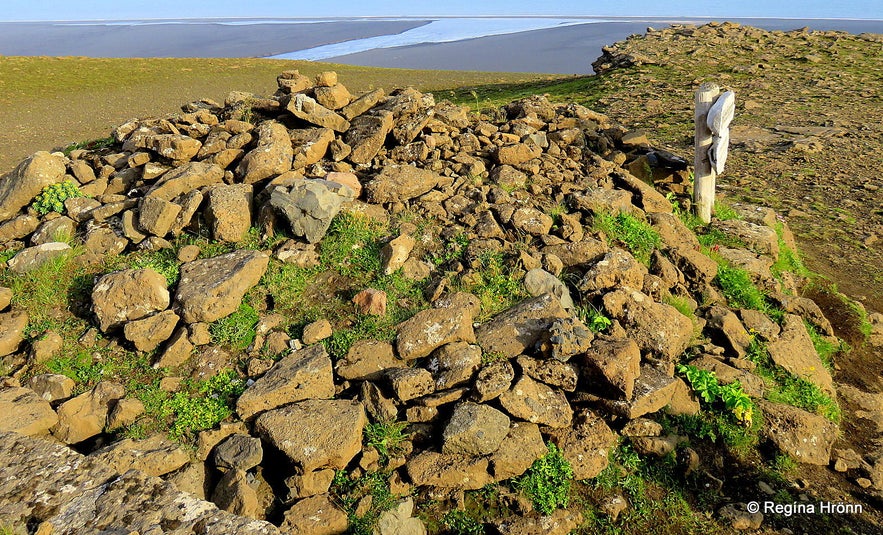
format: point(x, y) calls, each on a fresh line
point(605, 292)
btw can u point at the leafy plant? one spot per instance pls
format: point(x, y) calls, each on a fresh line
point(52, 198)
point(547, 482)
point(94, 144)
point(460, 523)
point(350, 491)
point(734, 399)
point(203, 405)
point(594, 319)
point(237, 329)
point(388, 438)
point(636, 235)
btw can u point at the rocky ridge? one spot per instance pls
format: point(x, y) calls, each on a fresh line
point(481, 393)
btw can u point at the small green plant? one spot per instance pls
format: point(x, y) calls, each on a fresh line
point(783, 463)
point(452, 250)
point(237, 329)
point(349, 491)
point(824, 347)
point(52, 198)
point(636, 235)
point(94, 144)
point(388, 438)
point(547, 482)
point(724, 212)
point(739, 289)
point(203, 405)
point(731, 395)
point(165, 262)
point(460, 523)
point(594, 319)
point(495, 285)
point(681, 304)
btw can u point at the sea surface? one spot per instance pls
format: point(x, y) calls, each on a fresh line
point(560, 45)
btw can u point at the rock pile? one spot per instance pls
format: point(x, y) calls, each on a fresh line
point(481, 398)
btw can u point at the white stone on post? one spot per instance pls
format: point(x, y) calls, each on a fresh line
point(719, 118)
point(703, 173)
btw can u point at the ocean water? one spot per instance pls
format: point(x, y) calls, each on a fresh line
point(437, 31)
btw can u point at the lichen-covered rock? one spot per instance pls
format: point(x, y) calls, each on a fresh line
point(45, 482)
point(617, 361)
point(518, 328)
point(228, 211)
point(128, 295)
point(586, 445)
point(272, 156)
point(474, 430)
point(306, 108)
point(12, 331)
point(432, 328)
point(806, 437)
point(657, 328)
point(155, 456)
point(449, 471)
point(397, 183)
point(367, 134)
point(310, 205)
point(795, 352)
point(184, 179)
point(653, 390)
point(212, 288)
point(537, 403)
point(522, 446)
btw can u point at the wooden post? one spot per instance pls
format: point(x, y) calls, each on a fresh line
point(703, 174)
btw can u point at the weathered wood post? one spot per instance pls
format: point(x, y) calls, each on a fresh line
point(704, 175)
point(714, 112)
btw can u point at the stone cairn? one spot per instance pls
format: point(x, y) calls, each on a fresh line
point(290, 163)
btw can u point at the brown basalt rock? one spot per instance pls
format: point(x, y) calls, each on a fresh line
point(177, 351)
point(12, 331)
point(304, 374)
point(19, 187)
point(316, 433)
point(124, 413)
point(307, 109)
point(52, 387)
point(492, 380)
point(616, 269)
point(657, 328)
point(155, 456)
point(316, 515)
point(449, 471)
point(806, 437)
point(310, 483)
point(333, 97)
point(653, 391)
point(517, 329)
point(537, 403)
point(19, 228)
point(23, 411)
point(362, 104)
point(229, 211)
point(149, 332)
point(410, 383)
point(560, 522)
point(366, 360)
point(310, 145)
point(474, 430)
point(531, 221)
point(213, 288)
point(31, 258)
point(454, 364)
point(316, 331)
point(795, 352)
point(128, 295)
point(395, 253)
point(85, 415)
point(551, 372)
point(157, 216)
point(617, 361)
point(397, 183)
point(522, 446)
point(184, 179)
point(586, 445)
point(234, 495)
point(584, 252)
point(272, 156)
point(432, 328)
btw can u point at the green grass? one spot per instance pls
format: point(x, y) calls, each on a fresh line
point(723, 212)
point(634, 234)
point(494, 283)
point(202, 404)
point(547, 482)
point(681, 304)
point(92, 144)
point(165, 262)
point(784, 387)
point(737, 286)
point(717, 428)
point(348, 492)
point(237, 329)
point(387, 438)
point(824, 347)
point(460, 523)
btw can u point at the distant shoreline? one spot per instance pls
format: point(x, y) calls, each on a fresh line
point(563, 49)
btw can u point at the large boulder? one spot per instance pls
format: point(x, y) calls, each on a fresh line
point(315, 433)
point(213, 288)
point(155, 456)
point(25, 412)
point(432, 328)
point(229, 211)
point(397, 183)
point(795, 352)
point(367, 135)
point(804, 436)
point(657, 328)
point(128, 295)
point(518, 328)
point(304, 374)
point(271, 157)
point(184, 179)
point(474, 430)
point(310, 205)
point(19, 187)
point(12, 331)
point(84, 416)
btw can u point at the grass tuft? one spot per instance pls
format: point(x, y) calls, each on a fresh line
point(636, 235)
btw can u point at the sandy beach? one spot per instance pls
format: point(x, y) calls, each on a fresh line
point(192, 40)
